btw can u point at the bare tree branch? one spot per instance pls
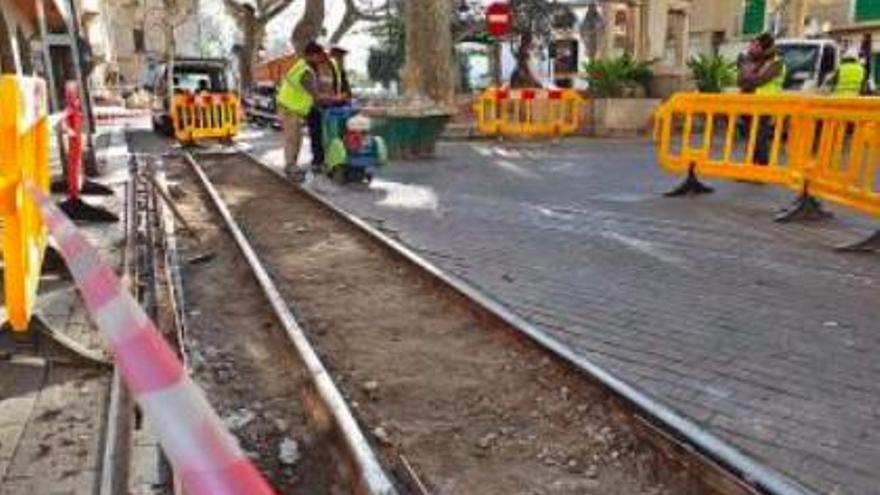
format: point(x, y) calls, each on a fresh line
point(310, 26)
point(274, 9)
point(353, 15)
point(236, 10)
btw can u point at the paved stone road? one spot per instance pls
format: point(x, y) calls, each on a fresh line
point(756, 330)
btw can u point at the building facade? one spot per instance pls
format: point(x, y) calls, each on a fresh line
point(723, 26)
point(137, 29)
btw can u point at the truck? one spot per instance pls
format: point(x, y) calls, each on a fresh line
point(191, 76)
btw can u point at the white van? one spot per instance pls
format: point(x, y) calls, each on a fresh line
point(810, 63)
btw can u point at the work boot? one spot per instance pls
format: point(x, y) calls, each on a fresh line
point(300, 175)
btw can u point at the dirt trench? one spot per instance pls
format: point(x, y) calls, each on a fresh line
point(470, 404)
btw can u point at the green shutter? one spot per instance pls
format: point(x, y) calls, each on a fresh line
point(754, 14)
point(867, 10)
point(876, 66)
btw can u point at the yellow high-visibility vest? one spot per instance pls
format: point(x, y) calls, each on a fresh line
point(850, 77)
point(292, 95)
point(773, 86)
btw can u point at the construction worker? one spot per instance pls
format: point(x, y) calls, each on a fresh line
point(325, 97)
point(850, 77)
point(296, 99)
point(341, 84)
point(763, 75)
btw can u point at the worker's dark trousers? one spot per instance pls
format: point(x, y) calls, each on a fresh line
point(764, 140)
point(316, 135)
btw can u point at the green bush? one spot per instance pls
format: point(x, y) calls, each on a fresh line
point(618, 77)
point(712, 73)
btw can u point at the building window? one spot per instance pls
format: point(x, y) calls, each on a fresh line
point(753, 16)
point(867, 10)
point(139, 42)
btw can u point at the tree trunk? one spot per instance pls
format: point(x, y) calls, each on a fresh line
point(253, 38)
point(170, 49)
point(495, 63)
point(310, 25)
point(429, 67)
point(7, 57)
point(349, 19)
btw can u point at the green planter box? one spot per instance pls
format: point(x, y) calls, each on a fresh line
point(409, 136)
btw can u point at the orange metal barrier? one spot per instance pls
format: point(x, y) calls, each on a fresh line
point(205, 116)
point(24, 160)
point(827, 148)
point(528, 112)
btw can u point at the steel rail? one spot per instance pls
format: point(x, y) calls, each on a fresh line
point(373, 479)
point(750, 471)
point(116, 449)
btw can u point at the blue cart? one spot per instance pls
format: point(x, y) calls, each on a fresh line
point(347, 162)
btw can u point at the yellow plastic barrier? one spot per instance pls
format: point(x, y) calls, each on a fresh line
point(845, 168)
point(718, 135)
point(822, 147)
point(24, 132)
point(528, 112)
point(205, 116)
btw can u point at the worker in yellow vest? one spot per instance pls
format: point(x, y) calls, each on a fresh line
point(341, 84)
point(766, 77)
point(296, 99)
point(850, 77)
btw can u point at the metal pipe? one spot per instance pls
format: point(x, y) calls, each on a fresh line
point(373, 479)
point(752, 472)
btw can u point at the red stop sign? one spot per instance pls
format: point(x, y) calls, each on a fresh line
point(499, 18)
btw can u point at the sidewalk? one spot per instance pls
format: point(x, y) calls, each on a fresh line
point(52, 418)
point(756, 330)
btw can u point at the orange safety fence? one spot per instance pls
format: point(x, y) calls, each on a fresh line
point(205, 116)
point(24, 162)
point(528, 112)
point(827, 148)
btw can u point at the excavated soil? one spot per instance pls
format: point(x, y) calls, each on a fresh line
point(241, 357)
point(469, 403)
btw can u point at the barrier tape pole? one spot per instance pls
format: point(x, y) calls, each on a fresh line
point(74, 206)
point(204, 454)
point(74, 120)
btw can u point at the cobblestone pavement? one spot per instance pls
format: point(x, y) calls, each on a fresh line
point(756, 330)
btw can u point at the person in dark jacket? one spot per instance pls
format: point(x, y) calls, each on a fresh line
point(762, 73)
point(342, 86)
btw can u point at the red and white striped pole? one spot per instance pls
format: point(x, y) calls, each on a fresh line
point(74, 122)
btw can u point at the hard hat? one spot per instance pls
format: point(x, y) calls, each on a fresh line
point(851, 52)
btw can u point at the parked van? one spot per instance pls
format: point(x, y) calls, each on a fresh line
point(192, 77)
point(810, 63)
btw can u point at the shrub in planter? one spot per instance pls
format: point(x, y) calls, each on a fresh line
point(618, 87)
point(618, 77)
point(712, 73)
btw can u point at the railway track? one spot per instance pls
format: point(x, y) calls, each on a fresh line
point(413, 382)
